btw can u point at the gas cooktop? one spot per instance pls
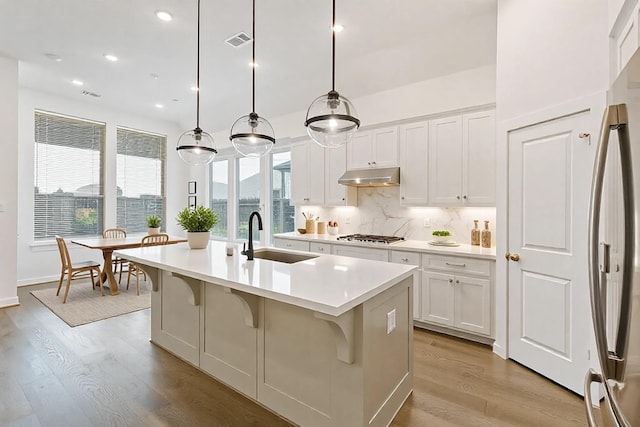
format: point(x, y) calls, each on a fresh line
point(371, 238)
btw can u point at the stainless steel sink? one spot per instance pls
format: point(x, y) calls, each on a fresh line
point(281, 256)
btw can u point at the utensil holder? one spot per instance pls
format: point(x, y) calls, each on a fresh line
point(310, 226)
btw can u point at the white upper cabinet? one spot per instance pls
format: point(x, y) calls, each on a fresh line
point(307, 173)
point(479, 158)
point(335, 165)
point(414, 157)
point(625, 38)
point(445, 161)
point(462, 160)
point(375, 148)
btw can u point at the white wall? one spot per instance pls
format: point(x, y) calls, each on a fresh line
point(8, 179)
point(548, 53)
point(40, 262)
point(460, 90)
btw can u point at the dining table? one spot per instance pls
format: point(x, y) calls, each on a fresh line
point(109, 244)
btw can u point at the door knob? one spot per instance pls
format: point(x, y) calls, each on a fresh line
point(507, 255)
point(514, 257)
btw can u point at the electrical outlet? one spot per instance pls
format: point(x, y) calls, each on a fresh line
point(391, 321)
point(426, 223)
point(347, 220)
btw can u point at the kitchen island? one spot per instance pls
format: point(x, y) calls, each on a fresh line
point(325, 341)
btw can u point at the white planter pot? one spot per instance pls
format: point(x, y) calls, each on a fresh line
point(198, 239)
point(152, 231)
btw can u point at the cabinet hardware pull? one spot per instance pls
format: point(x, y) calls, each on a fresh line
point(514, 257)
point(288, 245)
point(405, 259)
point(373, 163)
point(453, 264)
point(584, 135)
point(369, 163)
point(450, 280)
point(457, 281)
point(458, 197)
point(402, 197)
point(464, 197)
point(343, 199)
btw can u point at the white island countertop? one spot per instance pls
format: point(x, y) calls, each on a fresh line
point(405, 245)
point(327, 284)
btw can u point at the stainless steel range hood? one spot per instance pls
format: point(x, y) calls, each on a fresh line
point(373, 177)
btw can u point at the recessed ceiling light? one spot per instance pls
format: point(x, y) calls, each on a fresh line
point(194, 88)
point(110, 57)
point(53, 57)
point(163, 15)
point(77, 82)
point(338, 27)
point(159, 106)
point(154, 76)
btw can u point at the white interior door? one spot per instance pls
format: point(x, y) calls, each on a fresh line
point(550, 169)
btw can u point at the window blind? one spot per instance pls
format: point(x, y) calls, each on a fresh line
point(141, 159)
point(68, 181)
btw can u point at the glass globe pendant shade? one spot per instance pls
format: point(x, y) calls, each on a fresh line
point(331, 120)
point(252, 136)
point(196, 147)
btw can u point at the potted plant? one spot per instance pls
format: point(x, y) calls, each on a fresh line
point(153, 224)
point(197, 223)
point(441, 236)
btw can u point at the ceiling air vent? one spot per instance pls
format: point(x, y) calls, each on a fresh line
point(95, 95)
point(238, 40)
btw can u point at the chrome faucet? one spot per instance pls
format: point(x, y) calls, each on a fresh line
point(249, 252)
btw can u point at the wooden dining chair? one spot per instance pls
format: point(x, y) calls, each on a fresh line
point(151, 240)
point(116, 233)
point(77, 270)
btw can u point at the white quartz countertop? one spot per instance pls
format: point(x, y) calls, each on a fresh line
point(328, 284)
point(405, 245)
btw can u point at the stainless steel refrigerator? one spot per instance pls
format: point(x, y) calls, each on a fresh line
point(614, 261)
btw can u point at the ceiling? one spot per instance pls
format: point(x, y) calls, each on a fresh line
point(385, 44)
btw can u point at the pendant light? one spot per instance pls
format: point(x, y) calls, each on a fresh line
point(331, 119)
point(252, 135)
point(195, 146)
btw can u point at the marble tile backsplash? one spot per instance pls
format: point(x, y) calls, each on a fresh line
point(379, 212)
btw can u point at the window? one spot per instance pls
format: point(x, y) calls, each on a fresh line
point(68, 176)
point(140, 178)
point(249, 185)
point(282, 213)
point(220, 196)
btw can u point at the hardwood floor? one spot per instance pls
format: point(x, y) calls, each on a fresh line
point(108, 373)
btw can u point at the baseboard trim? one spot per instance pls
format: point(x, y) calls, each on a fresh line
point(9, 302)
point(38, 280)
point(454, 332)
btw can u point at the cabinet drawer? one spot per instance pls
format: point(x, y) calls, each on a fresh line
point(453, 264)
point(364, 253)
point(409, 258)
point(321, 248)
point(296, 245)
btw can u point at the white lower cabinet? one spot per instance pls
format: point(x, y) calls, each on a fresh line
point(456, 292)
point(448, 290)
point(364, 253)
point(296, 245)
point(320, 248)
point(411, 258)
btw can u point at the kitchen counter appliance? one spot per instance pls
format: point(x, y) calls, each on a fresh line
point(371, 238)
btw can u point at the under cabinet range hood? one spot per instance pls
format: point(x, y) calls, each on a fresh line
point(374, 177)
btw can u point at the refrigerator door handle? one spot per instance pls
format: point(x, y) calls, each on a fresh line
point(609, 122)
point(624, 319)
point(592, 376)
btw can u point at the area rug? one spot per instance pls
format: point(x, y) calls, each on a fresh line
point(85, 305)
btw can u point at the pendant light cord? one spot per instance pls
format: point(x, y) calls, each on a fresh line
point(253, 84)
point(198, 74)
point(333, 49)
